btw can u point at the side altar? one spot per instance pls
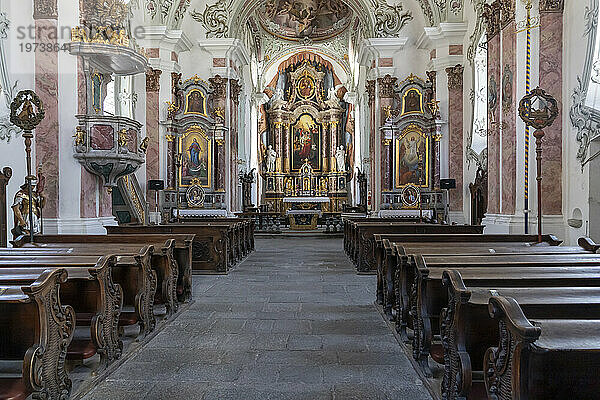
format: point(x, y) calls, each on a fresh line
point(306, 137)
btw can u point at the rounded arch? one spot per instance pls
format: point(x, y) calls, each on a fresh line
point(272, 67)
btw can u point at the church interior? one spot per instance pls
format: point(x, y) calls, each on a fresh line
point(299, 199)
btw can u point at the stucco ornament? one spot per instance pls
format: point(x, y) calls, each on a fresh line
point(389, 20)
point(214, 19)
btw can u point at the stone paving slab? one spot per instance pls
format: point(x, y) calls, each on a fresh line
point(293, 321)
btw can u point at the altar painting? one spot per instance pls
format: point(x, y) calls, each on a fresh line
point(306, 143)
point(196, 148)
point(195, 102)
point(412, 102)
point(412, 158)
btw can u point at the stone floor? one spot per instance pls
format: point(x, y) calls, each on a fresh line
point(293, 321)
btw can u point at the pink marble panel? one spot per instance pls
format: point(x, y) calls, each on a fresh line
point(47, 132)
point(386, 62)
point(153, 53)
point(455, 156)
point(152, 132)
point(433, 54)
point(87, 206)
point(105, 202)
point(494, 85)
point(87, 198)
point(509, 134)
point(551, 33)
point(132, 143)
point(102, 137)
point(219, 62)
point(174, 56)
point(455, 49)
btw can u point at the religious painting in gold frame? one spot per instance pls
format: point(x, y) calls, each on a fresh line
point(306, 142)
point(306, 87)
point(412, 102)
point(196, 160)
point(195, 102)
point(412, 158)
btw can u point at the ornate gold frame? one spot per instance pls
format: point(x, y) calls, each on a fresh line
point(420, 102)
point(199, 130)
point(187, 103)
point(410, 129)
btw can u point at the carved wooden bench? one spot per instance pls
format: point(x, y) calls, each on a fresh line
point(542, 358)
point(36, 331)
point(210, 248)
point(245, 228)
point(396, 276)
point(134, 273)
point(431, 298)
point(384, 253)
point(182, 251)
point(163, 262)
point(90, 290)
point(467, 330)
point(365, 248)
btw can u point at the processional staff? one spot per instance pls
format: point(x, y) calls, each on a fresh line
point(26, 112)
point(539, 110)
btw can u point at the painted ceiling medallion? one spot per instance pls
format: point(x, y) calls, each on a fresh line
point(301, 19)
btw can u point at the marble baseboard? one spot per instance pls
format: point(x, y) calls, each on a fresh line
point(515, 224)
point(90, 226)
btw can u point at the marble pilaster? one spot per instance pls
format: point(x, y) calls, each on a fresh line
point(152, 130)
point(551, 78)
point(493, 144)
point(509, 128)
point(455, 131)
point(47, 133)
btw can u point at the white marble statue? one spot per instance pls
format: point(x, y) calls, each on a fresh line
point(277, 101)
point(340, 157)
point(332, 100)
point(271, 158)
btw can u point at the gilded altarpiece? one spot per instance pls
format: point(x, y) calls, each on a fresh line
point(410, 143)
point(306, 138)
point(195, 139)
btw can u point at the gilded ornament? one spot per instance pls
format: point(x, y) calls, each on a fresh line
point(123, 139)
point(144, 144)
point(79, 136)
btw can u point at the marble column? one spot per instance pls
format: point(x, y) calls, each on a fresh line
point(386, 103)
point(455, 134)
point(46, 139)
point(551, 78)
point(370, 86)
point(219, 97)
point(509, 124)
point(152, 130)
point(171, 154)
point(492, 21)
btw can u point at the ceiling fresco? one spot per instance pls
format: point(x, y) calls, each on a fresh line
point(301, 19)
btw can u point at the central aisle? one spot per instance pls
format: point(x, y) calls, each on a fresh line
point(293, 321)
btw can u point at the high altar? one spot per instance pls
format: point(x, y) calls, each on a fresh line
point(306, 139)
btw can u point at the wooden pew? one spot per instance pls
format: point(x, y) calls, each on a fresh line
point(133, 273)
point(90, 290)
point(541, 358)
point(397, 272)
point(247, 226)
point(364, 231)
point(210, 248)
point(577, 269)
point(163, 262)
point(182, 251)
point(382, 250)
point(36, 331)
point(467, 330)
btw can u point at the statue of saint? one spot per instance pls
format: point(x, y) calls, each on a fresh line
point(271, 159)
point(340, 158)
point(20, 209)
